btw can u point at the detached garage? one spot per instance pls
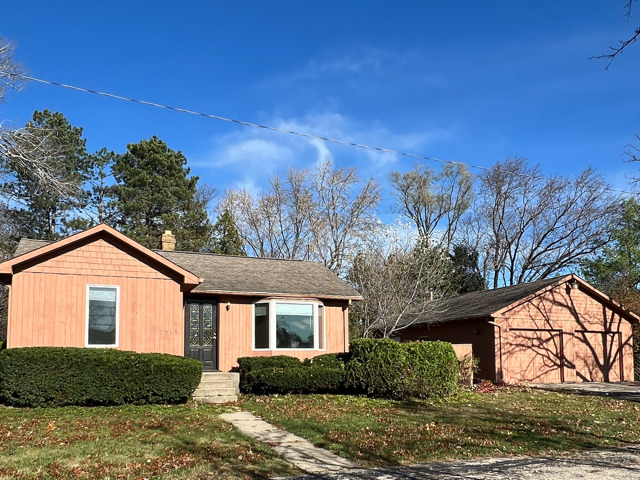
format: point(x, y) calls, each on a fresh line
point(549, 331)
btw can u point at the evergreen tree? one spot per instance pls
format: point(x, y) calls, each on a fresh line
point(226, 239)
point(466, 276)
point(97, 206)
point(616, 270)
point(46, 213)
point(154, 192)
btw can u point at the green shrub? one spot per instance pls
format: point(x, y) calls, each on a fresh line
point(54, 376)
point(388, 369)
point(301, 379)
point(329, 360)
point(249, 364)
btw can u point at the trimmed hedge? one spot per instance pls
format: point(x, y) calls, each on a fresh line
point(329, 360)
point(388, 369)
point(59, 376)
point(302, 379)
point(249, 364)
point(283, 374)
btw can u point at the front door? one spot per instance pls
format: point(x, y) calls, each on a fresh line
point(201, 332)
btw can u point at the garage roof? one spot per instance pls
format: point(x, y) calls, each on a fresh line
point(492, 303)
point(487, 302)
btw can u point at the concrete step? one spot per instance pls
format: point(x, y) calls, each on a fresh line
point(217, 383)
point(220, 375)
point(212, 392)
point(217, 399)
point(218, 387)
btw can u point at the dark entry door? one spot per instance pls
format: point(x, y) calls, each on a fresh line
point(201, 332)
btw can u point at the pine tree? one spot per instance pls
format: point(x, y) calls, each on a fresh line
point(154, 192)
point(46, 213)
point(466, 276)
point(226, 238)
point(616, 270)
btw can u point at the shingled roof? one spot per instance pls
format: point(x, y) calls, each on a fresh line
point(487, 302)
point(248, 275)
point(26, 245)
point(226, 273)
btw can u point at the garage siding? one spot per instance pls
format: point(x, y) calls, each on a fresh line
point(564, 335)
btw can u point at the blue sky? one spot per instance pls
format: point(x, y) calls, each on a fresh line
point(468, 81)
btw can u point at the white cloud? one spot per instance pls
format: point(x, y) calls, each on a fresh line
point(252, 155)
point(252, 151)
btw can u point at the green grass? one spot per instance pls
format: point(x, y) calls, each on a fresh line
point(510, 421)
point(174, 442)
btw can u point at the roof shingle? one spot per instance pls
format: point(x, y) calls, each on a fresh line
point(486, 302)
point(248, 275)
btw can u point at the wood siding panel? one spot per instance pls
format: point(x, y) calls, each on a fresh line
point(48, 302)
point(573, 311)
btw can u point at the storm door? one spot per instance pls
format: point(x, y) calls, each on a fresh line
point(201, 332)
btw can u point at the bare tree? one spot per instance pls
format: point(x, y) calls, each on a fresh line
point(343, 213)
point(622, 44)
point(403, 280)
point(320, 215)
point(276, 222)
point(10, 71)
point(435, 202)
point(21, 149)
point(36, 153)
point(528, 226)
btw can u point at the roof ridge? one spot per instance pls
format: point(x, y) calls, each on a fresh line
point(159, 250)
point(540, 280)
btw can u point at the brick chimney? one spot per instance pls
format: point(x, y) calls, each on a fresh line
point(168, 240)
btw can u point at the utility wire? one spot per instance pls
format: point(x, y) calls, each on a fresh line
point(280, 130)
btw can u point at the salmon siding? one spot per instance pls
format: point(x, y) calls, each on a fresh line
point(550, 331)
point(101, 289)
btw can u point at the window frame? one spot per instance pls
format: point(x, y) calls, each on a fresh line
point(86, 325)
point(317, 341)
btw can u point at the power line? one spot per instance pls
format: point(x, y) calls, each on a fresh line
point(280, 130)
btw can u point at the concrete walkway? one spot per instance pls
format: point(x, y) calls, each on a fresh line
point(294, 449)
point(618, 390)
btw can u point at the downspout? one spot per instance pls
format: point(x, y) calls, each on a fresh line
point(345, 311)
point(9, 323)
point(498, 380)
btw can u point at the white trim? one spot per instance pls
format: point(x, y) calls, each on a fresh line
point(272, 323)
point(86, 319)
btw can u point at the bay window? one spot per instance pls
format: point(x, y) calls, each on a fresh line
point(288, 325)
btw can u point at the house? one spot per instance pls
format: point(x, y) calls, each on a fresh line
point(99, 288)
point(553, 330)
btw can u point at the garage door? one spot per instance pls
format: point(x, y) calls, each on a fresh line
point(596, 357)
point(531, 355)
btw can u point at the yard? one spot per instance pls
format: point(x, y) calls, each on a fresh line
point(509, 421)
point(189, 442)
point(136, 442)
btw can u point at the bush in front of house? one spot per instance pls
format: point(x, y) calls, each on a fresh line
point(59, 376)
point(283, 374)
point(329, 360)
point(250, 364)
point(388, 369)
point(301, 379)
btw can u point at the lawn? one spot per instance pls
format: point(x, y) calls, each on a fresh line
point(191, 442)
point(173, 442)
point(509, 421)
